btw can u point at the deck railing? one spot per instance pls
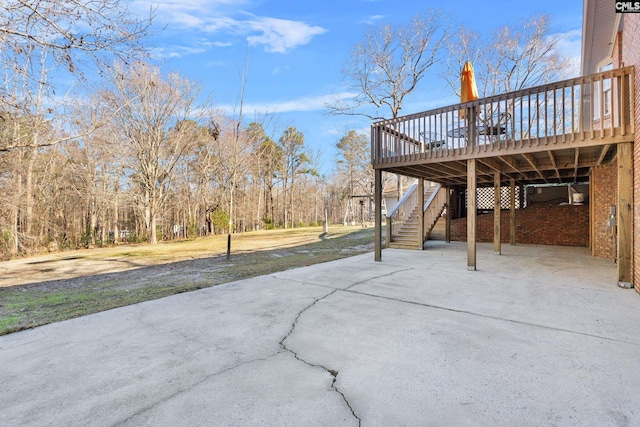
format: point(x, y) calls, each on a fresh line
point(587, 109)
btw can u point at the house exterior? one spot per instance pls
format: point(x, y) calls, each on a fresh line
point(578, 134)
point(610, 41)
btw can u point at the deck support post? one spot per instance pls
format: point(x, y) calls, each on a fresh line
point(496, 214)
point(447, 235)
point(378, 215)
point(421, 214)
point(624, 214)
point(592, 224)
point(471, 214)
point(512, 213)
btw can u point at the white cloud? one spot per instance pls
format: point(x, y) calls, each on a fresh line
point(166, 9)
point(281, 35)
point(372, 19)
point(341, 129)
point(218, 44)
point(275, 35)
point(214, 25)
point(173, 52)
point(304, 104)
point(278, 70)
point(199, 46)
point(570, 46)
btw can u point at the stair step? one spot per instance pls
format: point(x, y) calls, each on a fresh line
point(399, 239)
point(407, 229)
point(439, 231)
point(402, 246)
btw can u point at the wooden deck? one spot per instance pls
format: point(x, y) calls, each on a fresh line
point(548, 134)
point(554, 133)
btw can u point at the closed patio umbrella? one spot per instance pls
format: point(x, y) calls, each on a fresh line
point(468, 88)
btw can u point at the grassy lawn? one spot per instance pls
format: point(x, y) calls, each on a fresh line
point(172, 268)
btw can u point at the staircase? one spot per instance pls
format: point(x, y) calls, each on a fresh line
point(439, 231)
point(405, 233)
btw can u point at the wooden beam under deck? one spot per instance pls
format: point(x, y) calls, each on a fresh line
point(471, 214)
point(420, 214)
point(624, 214)
point(512, 213)
point(529, 158)
point(377, 239)
point(603, 154)
point(555, 166)
point(496, 214)
point(447, 237)
point(424, 158)
point(543, 167)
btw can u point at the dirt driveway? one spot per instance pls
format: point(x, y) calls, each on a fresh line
point(79, 263)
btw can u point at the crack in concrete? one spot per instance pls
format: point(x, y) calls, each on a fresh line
point(331, 372)
point(487, 316)
point(376, 277)
point(192, 386)
point(302, 282)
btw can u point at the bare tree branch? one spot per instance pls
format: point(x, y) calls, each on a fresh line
point(514, 58)
point(388, 64)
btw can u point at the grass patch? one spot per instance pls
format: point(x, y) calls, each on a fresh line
point(27, 306)
point(30, 309)
point(7, 323)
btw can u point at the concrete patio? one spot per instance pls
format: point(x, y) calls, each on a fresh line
point(537, 336)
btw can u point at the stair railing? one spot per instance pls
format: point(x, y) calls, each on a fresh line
point(433, 208)
point(401, 211)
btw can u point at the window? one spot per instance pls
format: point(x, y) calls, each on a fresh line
point(603, 94)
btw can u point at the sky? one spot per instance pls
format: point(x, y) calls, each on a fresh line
point(294, 50)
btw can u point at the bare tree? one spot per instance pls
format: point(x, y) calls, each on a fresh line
point(353, 162)
point(41, 39)
point(233, 153)
point(205, 164)
point(72, 30)
point(513, 58)
point(295, 162)
point(388, 64)
point(354, 172)
point(267, 162)
point(28, 124)
point(154, 126)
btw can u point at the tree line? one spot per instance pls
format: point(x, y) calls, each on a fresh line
point(161, 165)
point(144, 158)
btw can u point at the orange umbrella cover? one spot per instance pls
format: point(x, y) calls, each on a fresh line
point(468, 88)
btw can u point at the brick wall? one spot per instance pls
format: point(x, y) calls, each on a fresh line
point(564, 225)
point(605, 188)
point(631, 56)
